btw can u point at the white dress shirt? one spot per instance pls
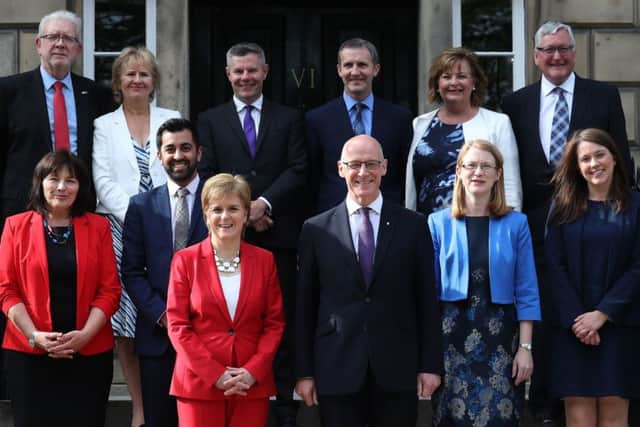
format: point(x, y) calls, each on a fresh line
point(548, 99)
point(355, 219)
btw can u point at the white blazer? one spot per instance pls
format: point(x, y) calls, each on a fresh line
point(488, 125)
point(115, 169)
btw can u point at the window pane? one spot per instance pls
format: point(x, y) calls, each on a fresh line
point(486, 26)
point(119, 23)
point(499, 72)
point(103, 66)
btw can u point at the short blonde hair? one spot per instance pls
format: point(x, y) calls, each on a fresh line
point(133, 54)
point(497, 203)
point(223, 185)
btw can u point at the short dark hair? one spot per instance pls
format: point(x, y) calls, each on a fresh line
point(58, 161)
point(176, 125)
point(358, 43)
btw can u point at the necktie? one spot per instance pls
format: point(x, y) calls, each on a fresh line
point(60, 125)
point(250, 129)
point(181, 232)
point(366, 245)
point(559, 128)
point(358, 122)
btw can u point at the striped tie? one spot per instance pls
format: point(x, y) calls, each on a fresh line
point(559, 128)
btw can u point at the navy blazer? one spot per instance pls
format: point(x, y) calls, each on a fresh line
point(564, 260)
point(26, 136)
point(146, 261)
point(512, 272)
point(329, 127)
point(343, 328)
point(595, 105)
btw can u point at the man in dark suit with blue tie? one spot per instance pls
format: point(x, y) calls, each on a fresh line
point(158, 223)
point(357, 111)
point(367, 332)
point(532, 111)
point(263, 141)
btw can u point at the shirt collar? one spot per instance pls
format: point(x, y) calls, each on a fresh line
point(375, 206)
point(192, 186)
point(48, 80)
point(257, 104)
point(350, 102)
point(568, 85)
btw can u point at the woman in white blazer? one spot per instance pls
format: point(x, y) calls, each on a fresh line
point(458, 84)
point(125, 163)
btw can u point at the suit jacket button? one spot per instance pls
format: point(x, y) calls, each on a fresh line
point(367, 300)
point(231, 331)
point(253, 173)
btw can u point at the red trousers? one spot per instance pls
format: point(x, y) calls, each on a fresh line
point(223, 413)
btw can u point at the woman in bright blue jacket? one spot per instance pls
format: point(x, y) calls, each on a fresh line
point(487, 284)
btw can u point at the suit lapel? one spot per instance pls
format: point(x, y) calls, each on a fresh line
point(81, 97)
point(37, 96)
point(123, 137)
point(213, 280)
point(162, 213)
point(39, 247)
point(197, 219)
point(234, 121)
point(81, 231)
point(265, 121)
point(385, 233)
point(342, 231)
point(579, 105)
point(247, 282)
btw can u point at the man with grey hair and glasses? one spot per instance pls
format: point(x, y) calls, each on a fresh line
point(544, 115)
point(46, 109)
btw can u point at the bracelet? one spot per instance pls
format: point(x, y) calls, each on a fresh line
point(526, 345)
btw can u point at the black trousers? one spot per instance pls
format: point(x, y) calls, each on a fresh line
point(371, 406)
point(58, 392)
point(160, 408)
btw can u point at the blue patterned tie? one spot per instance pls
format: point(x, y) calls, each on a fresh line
point(559, 128)
point(366, 245)
point(250, 129)
point(358, 122)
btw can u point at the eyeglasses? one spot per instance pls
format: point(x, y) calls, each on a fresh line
point(550, 51)
point(66, 39)
point(355, 165)
point(484, 167)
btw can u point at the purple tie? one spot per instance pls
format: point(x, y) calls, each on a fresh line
point(366, 245)
point(250, 129)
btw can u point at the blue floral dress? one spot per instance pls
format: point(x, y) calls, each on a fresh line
point(434, 165)
point(480, 339)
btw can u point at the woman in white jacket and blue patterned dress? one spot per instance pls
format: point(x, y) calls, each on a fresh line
point(125, 163)
point(458, 84)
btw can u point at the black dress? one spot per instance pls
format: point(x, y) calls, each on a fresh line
point(603, 370)
point(480, 340)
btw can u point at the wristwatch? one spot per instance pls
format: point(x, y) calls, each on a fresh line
point(526, 345)
point(32, 339)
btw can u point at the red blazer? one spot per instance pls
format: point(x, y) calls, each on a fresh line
point(24, 277)
point(205, 337)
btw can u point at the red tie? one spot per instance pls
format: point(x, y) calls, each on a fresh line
point(60, 125)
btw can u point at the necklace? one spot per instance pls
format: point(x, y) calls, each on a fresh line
point(232, 266)
point(57, 237)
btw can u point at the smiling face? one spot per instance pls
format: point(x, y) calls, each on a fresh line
point(477, 172)
point(247, 75)
point(136, 81)
point(556, 67)
point(363, 183)
point(57, 56)
point(455, 85)
point(60, 189)
point(357, 70)
point(179, 156)
point(225, 219)
point(596, 165)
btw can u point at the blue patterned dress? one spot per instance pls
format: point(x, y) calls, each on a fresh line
point(123, 321)
point(480, 339)
point(434, 165)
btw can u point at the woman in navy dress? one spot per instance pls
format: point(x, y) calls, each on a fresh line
point(593, 261)
point(488, 290)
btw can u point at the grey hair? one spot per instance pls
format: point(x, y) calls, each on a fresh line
point(552, 27)
point(63, 15)
point(358, 43)
point(246, 48)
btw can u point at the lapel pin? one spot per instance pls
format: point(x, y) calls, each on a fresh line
point(84, 92)
point(388, 223)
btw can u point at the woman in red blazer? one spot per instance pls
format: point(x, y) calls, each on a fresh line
point(58, 287)
point(224, 310)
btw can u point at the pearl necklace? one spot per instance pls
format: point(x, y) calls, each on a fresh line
point(232, 266)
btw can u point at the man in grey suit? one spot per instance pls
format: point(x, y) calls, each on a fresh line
point(590, 103)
